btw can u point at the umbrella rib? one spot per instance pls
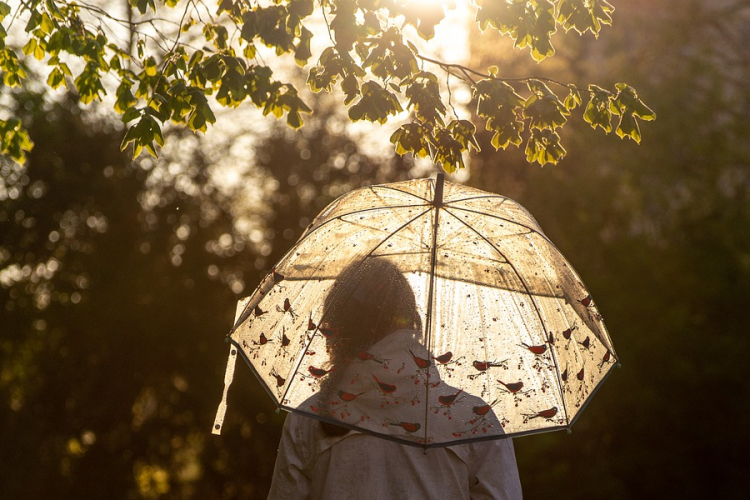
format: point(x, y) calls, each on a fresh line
point(504, 198)
point(392, 188)
point(355, 212)
point(531, 297)
point(485, 214)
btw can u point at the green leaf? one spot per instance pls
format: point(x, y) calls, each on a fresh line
point(125, 99)
point(4, 10)
point(143, 5)
point(424, 17)
point(302, 51)
point(544, 147)
point(344, 26)
point(529, 23)
point(150, 67)
point(447, 151)
point(89, 84)
point(34, 20)
point(628, 127)
point(544, 108)
point(47, 25)
point(301, 8)
point(14, 140)
point(506, 134)
point(598, 112)
point(30, 46)
point(463, 131)
point(375, 104)
point(55, 78)
point(131, 114)
point(424, 98)
point(501, 106)
point(143, 135)
point(584, 15)
point(411, 138)
point(627, 99)
point(573, 99)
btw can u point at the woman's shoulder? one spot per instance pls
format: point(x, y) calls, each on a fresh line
point(307, 433)
point(301, 427)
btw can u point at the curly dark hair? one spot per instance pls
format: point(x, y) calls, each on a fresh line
point(368, 300)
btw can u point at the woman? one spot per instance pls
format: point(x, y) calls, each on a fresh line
point(372, 309)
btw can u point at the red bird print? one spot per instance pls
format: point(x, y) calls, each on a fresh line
point(317, 372)
point(327, 332)
point(409, 426)
point(564, 375)
point(536, 349)
point(366, 356)
point(287, 309)
point(422, 363)
point(284, 340)
point(263, 340)
point(258, 311)
point(348, 396)
point(385, 388)
point(547, 414)
point(481, 410)
point(279, 379)
point(444, 358)
point(513, 387)
point(310, 325)
point(450, 399)
point(580, 374)
point(567, 333)
point(483, 366)
point(605, 359)
point(586, 343)
point(586, 301)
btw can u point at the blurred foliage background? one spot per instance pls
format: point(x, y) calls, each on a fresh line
point(118, 279)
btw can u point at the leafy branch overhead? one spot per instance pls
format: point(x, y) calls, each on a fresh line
point(181, 58)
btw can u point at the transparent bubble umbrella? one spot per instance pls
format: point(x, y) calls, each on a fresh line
point(428, 313)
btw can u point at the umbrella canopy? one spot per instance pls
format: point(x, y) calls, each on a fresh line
point(426, 312)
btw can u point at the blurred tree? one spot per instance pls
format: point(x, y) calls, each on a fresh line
point(117, 281)
point(657, 234)
point(108, 310)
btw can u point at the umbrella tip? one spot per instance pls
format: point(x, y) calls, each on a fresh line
point(570, 431)
point(618, 365)
point(439, 182)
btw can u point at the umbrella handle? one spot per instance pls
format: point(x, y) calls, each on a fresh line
point(229, 373)
point(228, 377)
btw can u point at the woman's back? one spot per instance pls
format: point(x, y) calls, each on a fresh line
point(313, 465)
